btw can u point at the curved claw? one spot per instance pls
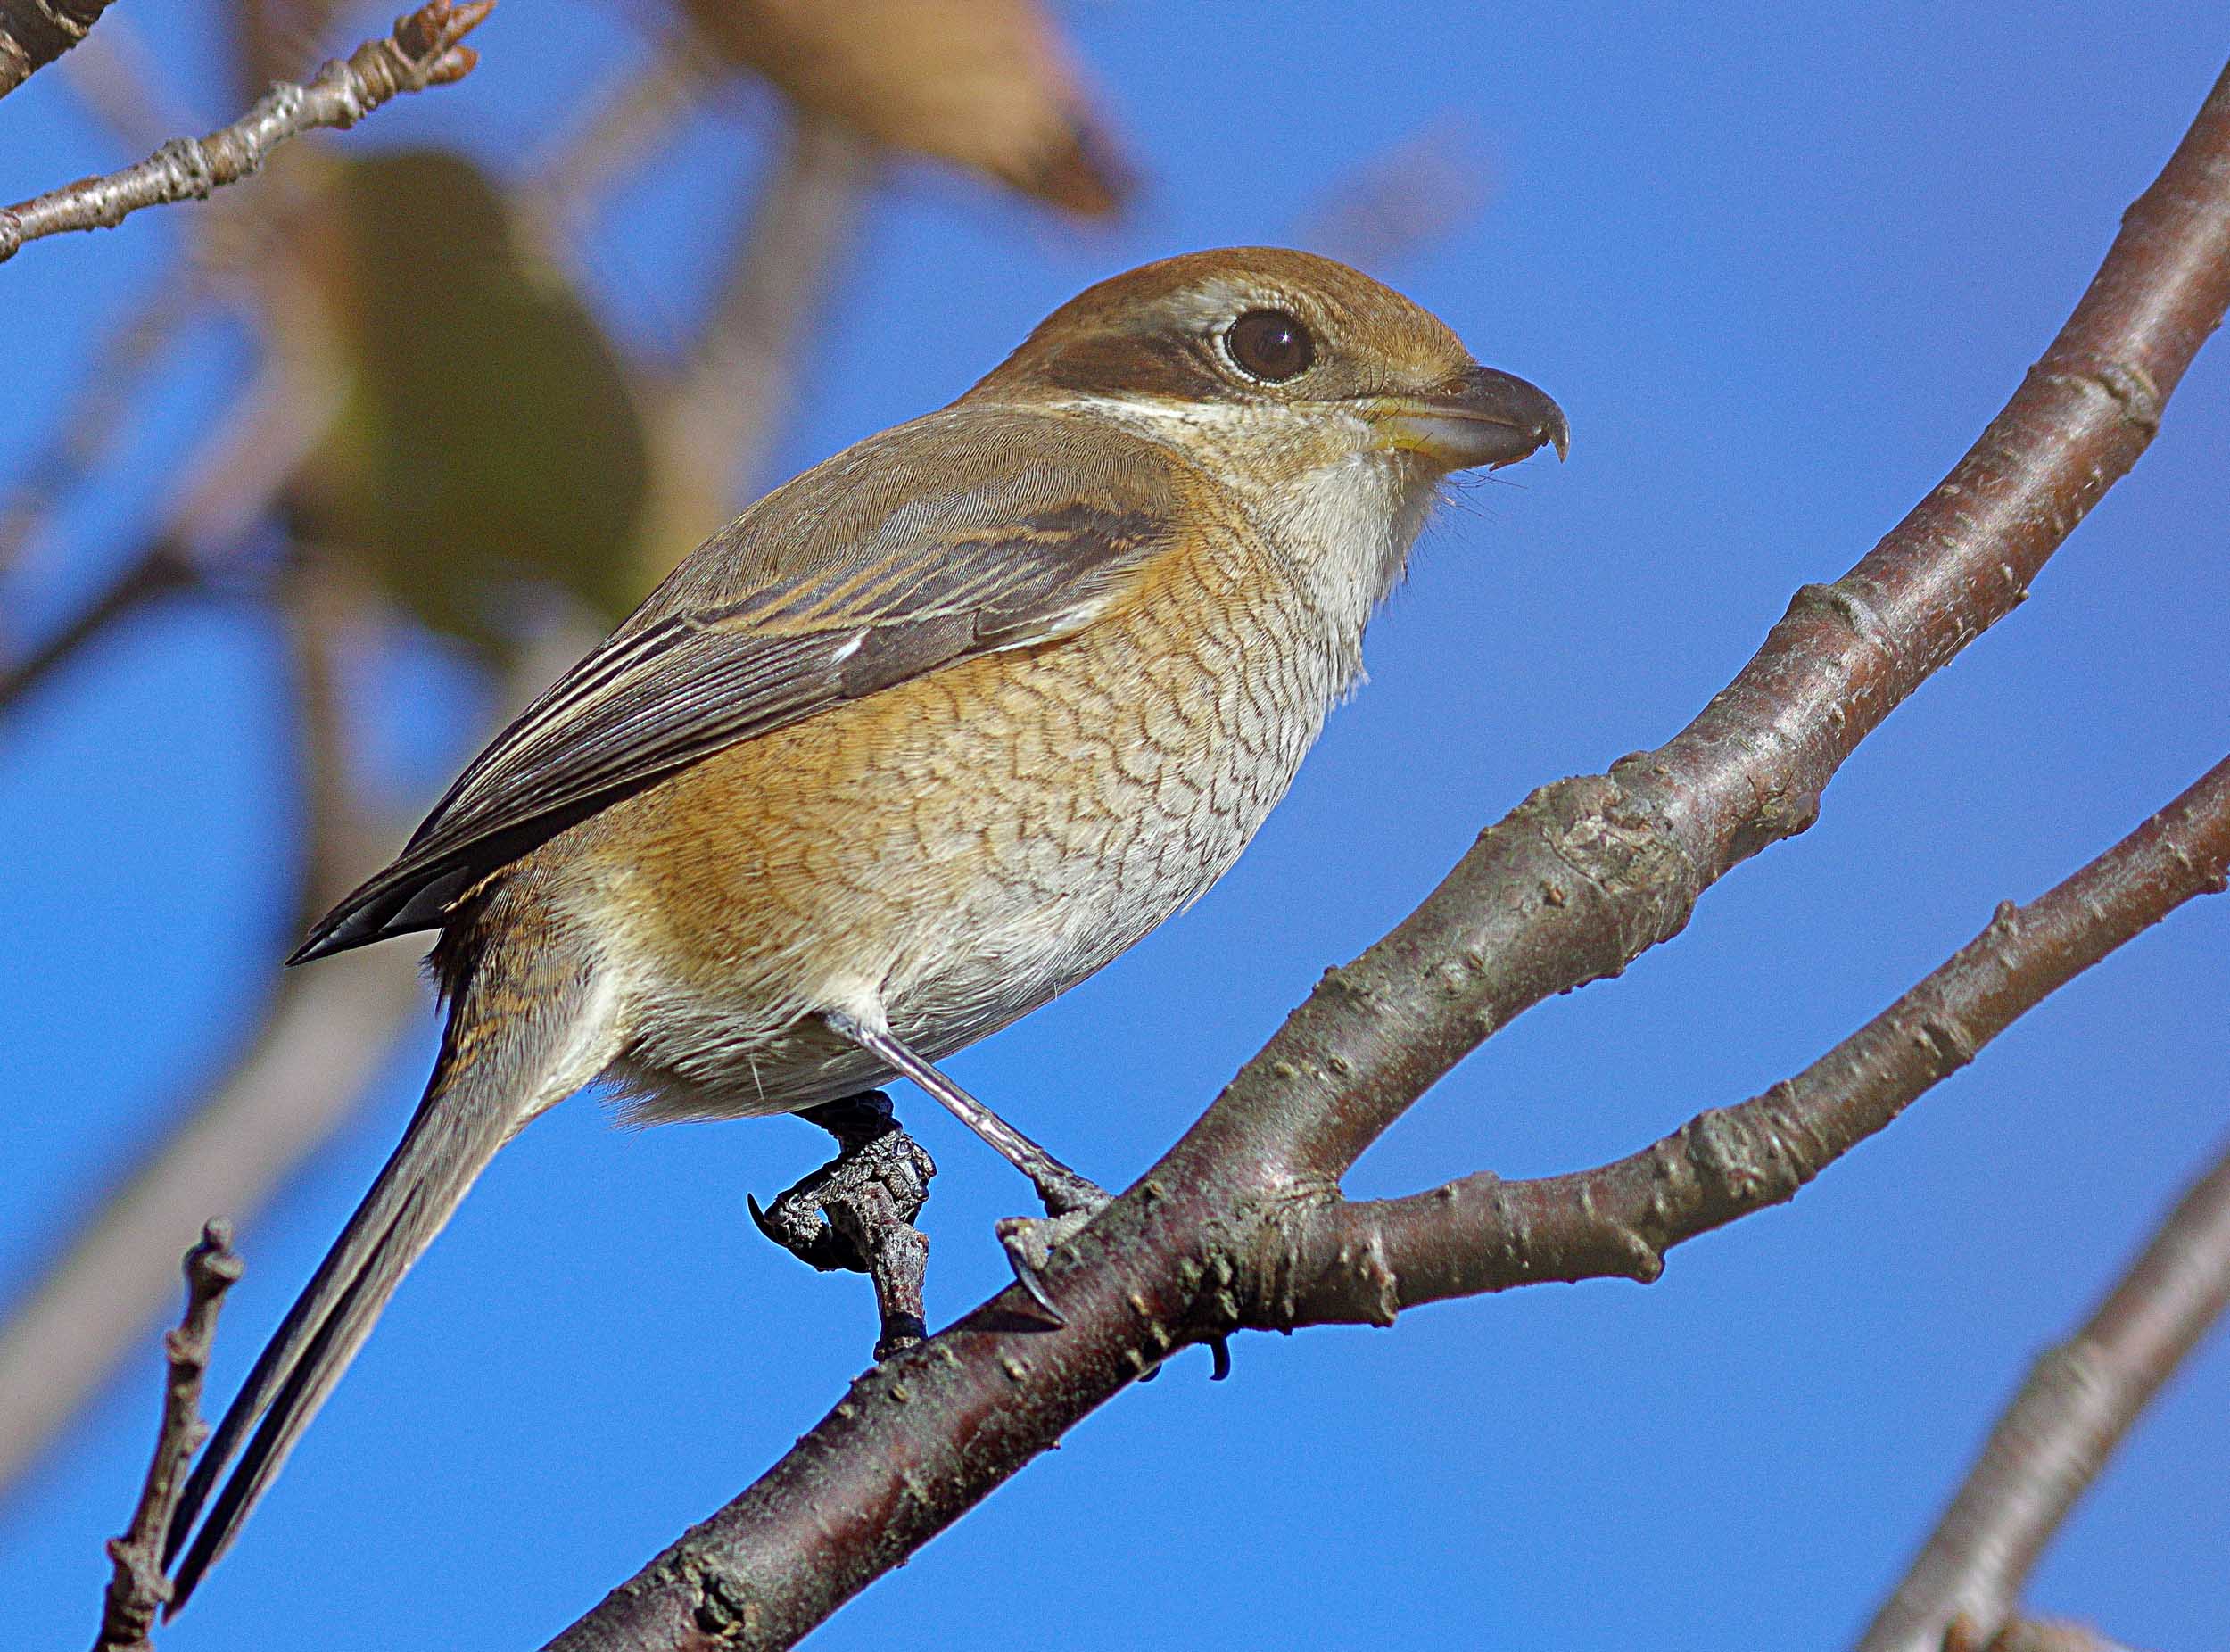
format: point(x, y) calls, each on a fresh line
point(1220, 1356)
point(1030, 1242)
point(808, 1235)
point(1026, 1275)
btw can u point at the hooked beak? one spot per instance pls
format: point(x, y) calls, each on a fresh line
point(1479, 417)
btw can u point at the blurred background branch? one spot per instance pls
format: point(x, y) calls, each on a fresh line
point(80, 434)
point(2079, 1402)
point(719, 415)
point(627, 120)
point(163, 570)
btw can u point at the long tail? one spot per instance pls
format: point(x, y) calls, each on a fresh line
point(497, 1071)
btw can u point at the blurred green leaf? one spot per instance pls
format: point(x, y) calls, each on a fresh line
point(492, 440)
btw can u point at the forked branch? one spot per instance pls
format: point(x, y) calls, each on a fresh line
point(1580, 880)
point(1366, 1261)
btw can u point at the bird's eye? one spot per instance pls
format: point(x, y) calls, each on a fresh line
point(1270, 345)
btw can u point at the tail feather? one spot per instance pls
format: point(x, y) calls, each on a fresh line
point(491, 1080)
point(448, 1143)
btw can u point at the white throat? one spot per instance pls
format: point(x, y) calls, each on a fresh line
point(1347, 526)
point(1344, 513)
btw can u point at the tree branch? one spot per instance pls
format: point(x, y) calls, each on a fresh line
point(1577, 882)
point(1364, 1262)
point(34, 33)
point(423, 51)
point(2079, 1401)
point(1588, 873)
point(138, 1589)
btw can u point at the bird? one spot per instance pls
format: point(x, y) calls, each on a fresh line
point(925, 737)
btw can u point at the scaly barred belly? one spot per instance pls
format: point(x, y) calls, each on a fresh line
point(955, 851)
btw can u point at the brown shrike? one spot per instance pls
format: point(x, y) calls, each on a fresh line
point(921, 739)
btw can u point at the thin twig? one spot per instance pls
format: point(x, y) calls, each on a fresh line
point(423, 50)
point(1363, 1262)
point(138, 1589)
point(1578, 882)
point(34, 33)
point(224, 247)
point(2079, 1401)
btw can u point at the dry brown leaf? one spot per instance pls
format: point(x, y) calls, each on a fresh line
point(983, 84)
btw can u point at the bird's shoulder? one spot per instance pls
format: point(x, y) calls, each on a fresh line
point(1032, 477)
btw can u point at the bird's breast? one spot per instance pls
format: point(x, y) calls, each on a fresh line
point(969, 844)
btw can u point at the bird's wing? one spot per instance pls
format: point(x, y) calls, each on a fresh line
point(960, 534)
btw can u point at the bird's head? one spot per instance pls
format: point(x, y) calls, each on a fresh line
point(1267, 363)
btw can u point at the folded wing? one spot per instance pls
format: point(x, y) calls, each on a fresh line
point(932, 543)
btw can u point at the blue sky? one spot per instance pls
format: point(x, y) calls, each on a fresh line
point(1779, 264)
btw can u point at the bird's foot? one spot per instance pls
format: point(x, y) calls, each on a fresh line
point(1071, 1202)
point(857, 1213)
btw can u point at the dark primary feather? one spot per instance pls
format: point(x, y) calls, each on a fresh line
point(928, 544)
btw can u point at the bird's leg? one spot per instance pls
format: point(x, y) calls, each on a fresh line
point(856, 1211)
point(1070, 1199)
point(1063, 1191)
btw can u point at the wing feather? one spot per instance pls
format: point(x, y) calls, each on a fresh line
point(840, 584)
